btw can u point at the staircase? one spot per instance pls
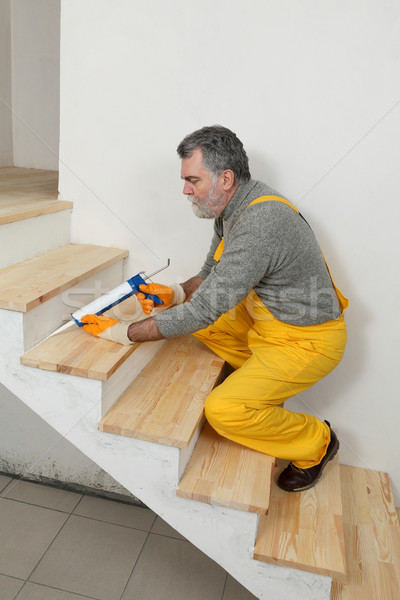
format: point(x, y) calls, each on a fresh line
point(137, 411)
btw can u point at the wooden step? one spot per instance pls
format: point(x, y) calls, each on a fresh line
point(75, 352)
point(165, 403)
point(372, 536)
point(224, 473)
point(27, 193)
point(31, 282)
point(305, 530)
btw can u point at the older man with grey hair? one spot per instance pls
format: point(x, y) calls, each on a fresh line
point(264, 301)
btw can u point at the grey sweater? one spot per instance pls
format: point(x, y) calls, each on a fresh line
point(268, 248)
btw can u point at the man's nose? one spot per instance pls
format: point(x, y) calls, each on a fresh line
point(187, 188)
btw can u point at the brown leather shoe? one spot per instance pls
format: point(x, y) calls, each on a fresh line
point(293, 479)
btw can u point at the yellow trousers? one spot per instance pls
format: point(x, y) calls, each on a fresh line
point(273, 361)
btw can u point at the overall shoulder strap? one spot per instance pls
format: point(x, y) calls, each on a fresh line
point(274, 199)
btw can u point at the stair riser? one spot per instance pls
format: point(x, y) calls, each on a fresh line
point(116, 385)
point(46, 318)
point(185, 454)
point(24, 239)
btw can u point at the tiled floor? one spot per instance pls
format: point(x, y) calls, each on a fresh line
point(59, 545)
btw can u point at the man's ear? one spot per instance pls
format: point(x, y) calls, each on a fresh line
point(228, 180)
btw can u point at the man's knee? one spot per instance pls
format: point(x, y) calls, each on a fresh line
point(220, 413)
point(211, 410)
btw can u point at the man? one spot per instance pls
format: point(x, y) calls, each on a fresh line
point(264, 301)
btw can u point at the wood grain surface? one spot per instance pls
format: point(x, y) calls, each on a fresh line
point(227, 474)
point(76, 352)
point(31, 282)
point(372, 536)
point(27, 193)
point(305, 530)
point(165, 403)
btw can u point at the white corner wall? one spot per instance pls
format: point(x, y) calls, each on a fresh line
point(6, 142)
point(313, 91)
point(35, 27)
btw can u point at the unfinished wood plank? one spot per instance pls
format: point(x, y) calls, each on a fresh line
point(372, 537)
point(34, 281)
point(224, 473)
point(75, 352)
point(165, 403)
point(27, 193)
point(305, 530)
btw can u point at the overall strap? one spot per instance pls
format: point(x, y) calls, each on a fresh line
point(274, 199)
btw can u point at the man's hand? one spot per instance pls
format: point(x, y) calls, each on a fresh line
point(122, 332)
point(169, 295)
point(107, 329)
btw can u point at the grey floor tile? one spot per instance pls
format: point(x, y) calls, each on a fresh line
point(42, 495)
point(4, 481)
point(91, 558)
point(169, 569)
point(235, 591)
point(9, 587)
point(162, 528)
point(115, 512)
point(25, 533)
point(32, 591)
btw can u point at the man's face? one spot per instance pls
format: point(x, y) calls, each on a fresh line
point(207, 196)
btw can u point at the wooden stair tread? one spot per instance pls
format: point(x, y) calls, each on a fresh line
point(27, 193)
point(224, 473)
point(305, 530)
point(165, 403)
point(372, 536)
point(34, 281)
point(75, 352)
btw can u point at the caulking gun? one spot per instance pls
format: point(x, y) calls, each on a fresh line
point(117, 295)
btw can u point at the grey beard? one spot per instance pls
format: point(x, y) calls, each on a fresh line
point(202, 212)
point(207, 212)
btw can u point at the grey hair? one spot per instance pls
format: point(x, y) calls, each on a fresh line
point(221, 150)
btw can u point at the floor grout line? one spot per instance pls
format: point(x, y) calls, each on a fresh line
point(225, 584)
point(47, 549)
point(59, 510)
point(134, 566)
point(51, 587)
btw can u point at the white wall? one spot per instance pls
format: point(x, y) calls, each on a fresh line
point(33, 450)
point(35, 26)
point(313, 91)
point(6, 143)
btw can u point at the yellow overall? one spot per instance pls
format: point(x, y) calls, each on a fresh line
point(273, 361)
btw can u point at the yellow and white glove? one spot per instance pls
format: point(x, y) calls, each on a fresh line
point(170, 295)
point(107, 328)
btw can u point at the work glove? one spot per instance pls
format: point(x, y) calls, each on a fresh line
point(169, 295)
point(107, 328)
